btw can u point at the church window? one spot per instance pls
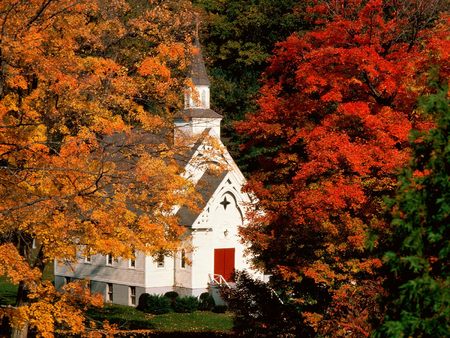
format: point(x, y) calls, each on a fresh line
point(132, 293)
point(132, 261)
point(160, 261)
point(204, 98)
point(109, 292)
point(183, 258)
point(110, 259)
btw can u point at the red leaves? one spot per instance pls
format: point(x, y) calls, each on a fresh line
point(337, 105)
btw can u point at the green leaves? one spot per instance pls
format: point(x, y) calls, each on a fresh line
point(419, 285)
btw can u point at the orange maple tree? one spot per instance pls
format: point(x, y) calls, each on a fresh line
point(336, 109)
point(78, 78)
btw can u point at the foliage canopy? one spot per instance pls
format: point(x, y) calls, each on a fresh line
point(77, 80)
point(418, 301)
point(336, 110)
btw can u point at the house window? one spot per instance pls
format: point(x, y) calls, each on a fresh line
point(87, 259)
point(160, 261)
point(110, 259)
point(132, 262)
point(109, 292)
point(132, 293)
point(183, 258)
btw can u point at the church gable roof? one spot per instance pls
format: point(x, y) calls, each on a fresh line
point(200, 113)
point(206, 186)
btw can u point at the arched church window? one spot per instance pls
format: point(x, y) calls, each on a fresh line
point(204, 98)
point(183, 258)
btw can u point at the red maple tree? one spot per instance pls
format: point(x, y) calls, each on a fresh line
point(335, 113)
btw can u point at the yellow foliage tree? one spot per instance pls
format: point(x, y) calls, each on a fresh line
point(78, 78)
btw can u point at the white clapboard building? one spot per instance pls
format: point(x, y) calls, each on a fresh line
point(215, 248)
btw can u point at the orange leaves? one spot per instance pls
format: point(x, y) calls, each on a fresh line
point(172, 52)
point(17, 81)
point(15, 267)
point(50, 307)
point(75, 171)
point(320, 272)
point(153, 66)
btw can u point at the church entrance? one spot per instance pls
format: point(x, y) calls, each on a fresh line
point(224, 263)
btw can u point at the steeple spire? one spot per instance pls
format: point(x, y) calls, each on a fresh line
point(197, 117)
point(198, 72)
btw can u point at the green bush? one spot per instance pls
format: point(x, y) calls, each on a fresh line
point(258, 311)
point(126, 317)
point(172, 295)
point(186, 304)
point(220, 309)
point(154, 304)
point(206, 302)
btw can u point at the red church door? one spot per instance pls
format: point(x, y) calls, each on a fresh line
point(224, 263)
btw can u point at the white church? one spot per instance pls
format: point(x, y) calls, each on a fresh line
point(211, 233)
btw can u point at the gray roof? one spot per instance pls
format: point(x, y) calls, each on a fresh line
point(121, 150)
point(206, 186)
point(185, 156)
point(199, 113)
point(198, 72)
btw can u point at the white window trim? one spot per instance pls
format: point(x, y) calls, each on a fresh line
point(109, 292)
point(160, 263)
point(131, 296)
point(132, 263)
point(109, 258)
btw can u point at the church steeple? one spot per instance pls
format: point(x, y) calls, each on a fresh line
point(197, 116)
point(198, 72)
point(200, 80)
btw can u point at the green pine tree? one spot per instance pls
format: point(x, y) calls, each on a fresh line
point(418, 283)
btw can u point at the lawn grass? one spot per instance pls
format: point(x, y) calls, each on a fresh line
point(196, 321)
point(125, 317)
point(128, 318)
point(8, 292)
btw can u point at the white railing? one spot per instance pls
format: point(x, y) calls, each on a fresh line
point(215, 279)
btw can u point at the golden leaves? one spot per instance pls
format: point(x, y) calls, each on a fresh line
point(49, 307)
point(14, 266)
point(80, 82)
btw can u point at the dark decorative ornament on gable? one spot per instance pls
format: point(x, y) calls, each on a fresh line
point(225, 202)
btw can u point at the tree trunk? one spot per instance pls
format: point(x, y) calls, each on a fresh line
point(20, 332)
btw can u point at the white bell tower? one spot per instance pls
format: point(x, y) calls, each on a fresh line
point(197, 116)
